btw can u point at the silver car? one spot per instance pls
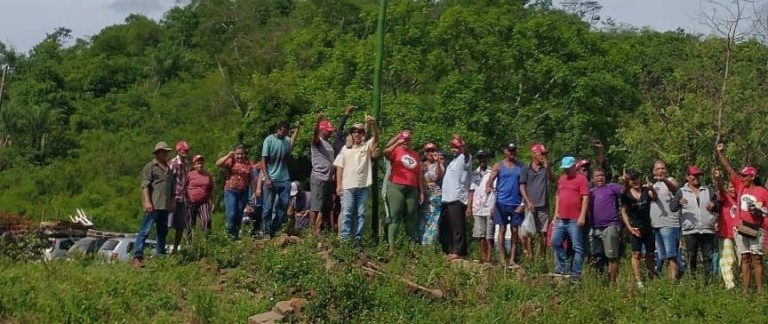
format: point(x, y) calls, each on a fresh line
point(59, 247)
point(121, 249)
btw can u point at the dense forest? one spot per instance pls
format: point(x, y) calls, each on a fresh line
point(79, 116)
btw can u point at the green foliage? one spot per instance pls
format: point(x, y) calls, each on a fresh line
point(83, 118)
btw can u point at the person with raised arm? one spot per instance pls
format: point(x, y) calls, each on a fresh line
point(321, 177)
point(235, 188)
point(275, 156)
point(405, 190)
point(456, 183)
point(726, 224)
point(353, 177)
point(751, 201)
point(534, 186)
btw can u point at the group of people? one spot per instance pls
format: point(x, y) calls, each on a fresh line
point(433, 193)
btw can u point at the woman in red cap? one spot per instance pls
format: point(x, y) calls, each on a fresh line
point(405, 190)
point(749, 235)
point(200, 193)
point(433, 176)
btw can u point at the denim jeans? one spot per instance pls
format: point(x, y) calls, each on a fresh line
point(160, 219)
point(667, 247)
point(275, 206)
point(234, 204)
point(570, 229)
point(352, 213)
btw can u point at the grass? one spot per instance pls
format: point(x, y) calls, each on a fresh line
point(218, 281)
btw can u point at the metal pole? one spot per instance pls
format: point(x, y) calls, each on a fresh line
point(2, 87)
point(376, 111)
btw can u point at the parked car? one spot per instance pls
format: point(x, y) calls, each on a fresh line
point(121, 249)
point(86, 247)
point(59, 247)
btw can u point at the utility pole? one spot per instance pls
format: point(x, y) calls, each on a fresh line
point(376, 113)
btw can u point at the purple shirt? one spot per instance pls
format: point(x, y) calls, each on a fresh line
point(604, 206)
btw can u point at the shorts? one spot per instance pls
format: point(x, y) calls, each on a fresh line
point(321, 195)
point(751, 245)
point(541, 218)
point(506, 215)
point(178, 219)
point(605, 241)
point(646, 240)
point(667, 241)
point(483, 227)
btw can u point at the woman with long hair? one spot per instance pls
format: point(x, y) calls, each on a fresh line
point(236, 187)
point(433, 175)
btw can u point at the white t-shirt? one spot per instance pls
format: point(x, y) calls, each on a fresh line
point(482, 202)
point(356, 162)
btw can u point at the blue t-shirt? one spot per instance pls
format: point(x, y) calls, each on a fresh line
point(278, 152)
point(508, 184)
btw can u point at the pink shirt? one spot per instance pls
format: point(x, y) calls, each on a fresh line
point(200, 188)
point(570, 191)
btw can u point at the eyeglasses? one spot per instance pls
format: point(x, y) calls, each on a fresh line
point(357, 131)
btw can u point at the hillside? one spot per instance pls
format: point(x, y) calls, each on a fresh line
point(224, 282)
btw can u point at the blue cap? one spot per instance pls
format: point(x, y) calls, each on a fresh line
point(567, 162)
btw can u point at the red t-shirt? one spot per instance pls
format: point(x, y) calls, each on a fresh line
point(200, 187)
point(405, 167)
point(570, 191)
point(754, 194)
point(728, 216)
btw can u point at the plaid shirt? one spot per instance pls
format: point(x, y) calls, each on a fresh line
point(179, 169)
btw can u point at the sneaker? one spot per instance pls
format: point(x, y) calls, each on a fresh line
point(640, 285)
point(137, 263)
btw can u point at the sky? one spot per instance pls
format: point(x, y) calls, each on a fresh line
point(24, 23)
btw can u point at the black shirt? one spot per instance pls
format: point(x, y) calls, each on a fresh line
point(638, 210)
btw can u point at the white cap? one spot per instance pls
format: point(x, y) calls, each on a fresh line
point(295, 188)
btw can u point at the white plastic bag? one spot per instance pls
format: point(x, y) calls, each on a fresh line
point(528, 227)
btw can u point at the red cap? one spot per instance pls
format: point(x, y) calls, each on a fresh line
point(457, 143)
point(405, 135)
point(693, 170)
point(182, 145)
point(538, 148)
point(197, 158)
point(326, 126)
point(749, 170)
point(581, 163)
point(430, 146)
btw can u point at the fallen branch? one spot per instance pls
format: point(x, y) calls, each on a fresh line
point(371, 268)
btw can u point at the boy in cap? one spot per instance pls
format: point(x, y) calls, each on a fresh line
point(157, 193)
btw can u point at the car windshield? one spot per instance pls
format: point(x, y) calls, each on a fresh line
point(66, 244)
point(110, 245)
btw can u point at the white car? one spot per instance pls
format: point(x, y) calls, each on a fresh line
point(120, 249)
point(59, 247)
